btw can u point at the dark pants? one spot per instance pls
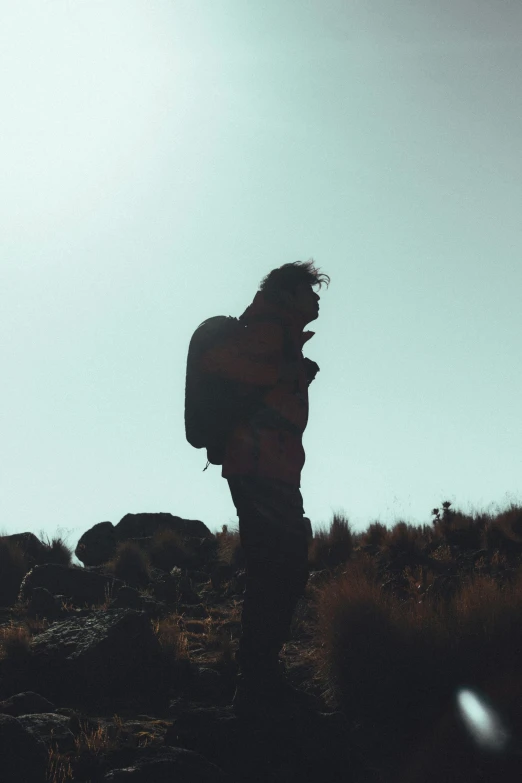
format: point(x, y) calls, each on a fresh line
point(274, 537)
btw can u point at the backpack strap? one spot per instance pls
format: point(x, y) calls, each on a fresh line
point(271, 418)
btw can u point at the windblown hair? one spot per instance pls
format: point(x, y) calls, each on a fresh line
point(289, 276)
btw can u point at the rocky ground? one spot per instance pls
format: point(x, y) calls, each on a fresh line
point(124, 669)
point(139, 689)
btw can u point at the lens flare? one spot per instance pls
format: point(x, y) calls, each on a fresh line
point(482, 722)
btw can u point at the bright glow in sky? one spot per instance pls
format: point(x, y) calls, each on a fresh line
point(159, 158)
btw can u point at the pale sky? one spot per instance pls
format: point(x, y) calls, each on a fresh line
point(159, 158)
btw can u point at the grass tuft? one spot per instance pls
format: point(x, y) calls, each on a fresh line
point(332, 548)
point(169, 549)
point(56, 551)
point(15, 642)
point(131, 564)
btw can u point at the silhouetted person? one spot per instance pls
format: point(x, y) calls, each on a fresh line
point(263, 460)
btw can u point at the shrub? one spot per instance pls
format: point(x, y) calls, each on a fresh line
point(333, 548)
point(404, 542)
point(373, 653)
point(504, 531)
point(341, 536)
point(13, 568)
point(130, 563)
point(443, 555)
point(230, 551)
point(484, 626)
point(375, 535)
point(169, 549)
point(317, 548)
point(458, 529)
point(56, 551)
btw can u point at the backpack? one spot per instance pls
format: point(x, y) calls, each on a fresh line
point(214, 405)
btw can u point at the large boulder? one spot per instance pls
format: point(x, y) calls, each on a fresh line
point(25, 703)
point(23, 756)
point(77, 584)
point(138, 525)
point(30, 545)
point(98, 544)
point(54, 730)
point(107, 653)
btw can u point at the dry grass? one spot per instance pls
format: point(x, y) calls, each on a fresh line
point(230, 551)
point(220, 642)
point(92, 744)
point(484, 626)
point(104, 605)
point(169, 549)
point(95, 741)
point(214, 635)
point(172, 637)
point(59, 769)
point(34, 623)
point(392, 663)
point(15, 642)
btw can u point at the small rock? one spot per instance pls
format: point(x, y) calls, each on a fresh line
point(43, 603)
point(126, 597)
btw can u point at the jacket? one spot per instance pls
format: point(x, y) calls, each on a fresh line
point(269, 444)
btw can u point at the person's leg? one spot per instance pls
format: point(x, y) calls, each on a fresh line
point(274, 538)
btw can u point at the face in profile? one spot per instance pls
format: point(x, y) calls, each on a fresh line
point(306, 302)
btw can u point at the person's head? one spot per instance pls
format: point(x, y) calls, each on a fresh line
point(291, 286)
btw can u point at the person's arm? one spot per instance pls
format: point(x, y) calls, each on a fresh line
point(255, 357)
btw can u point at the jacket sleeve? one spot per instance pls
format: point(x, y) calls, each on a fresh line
point(255, 357)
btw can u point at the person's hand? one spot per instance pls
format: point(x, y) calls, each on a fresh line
point(311, 368)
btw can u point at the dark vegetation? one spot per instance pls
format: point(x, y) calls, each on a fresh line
point(124, 670)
